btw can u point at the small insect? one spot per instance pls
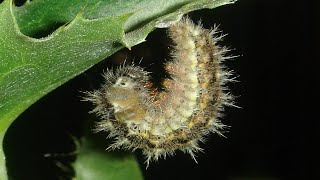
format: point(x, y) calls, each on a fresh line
point(159, 122)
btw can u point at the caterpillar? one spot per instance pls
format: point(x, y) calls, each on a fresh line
point(159, 122)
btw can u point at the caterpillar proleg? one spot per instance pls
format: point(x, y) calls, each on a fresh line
point(159, 122)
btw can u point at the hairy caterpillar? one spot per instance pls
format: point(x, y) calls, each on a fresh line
point(158, 122)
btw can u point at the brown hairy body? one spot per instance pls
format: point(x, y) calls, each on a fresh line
point(160, 122)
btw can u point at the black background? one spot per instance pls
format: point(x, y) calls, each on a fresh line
point(273, 136)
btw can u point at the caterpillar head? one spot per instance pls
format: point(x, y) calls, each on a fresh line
point(125, 85)
point(125, 82)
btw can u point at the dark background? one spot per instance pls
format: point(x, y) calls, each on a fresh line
point(273, 136)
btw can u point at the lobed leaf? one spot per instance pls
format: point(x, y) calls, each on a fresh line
point(93, 30)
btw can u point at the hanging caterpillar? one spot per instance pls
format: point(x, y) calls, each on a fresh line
point(159, 122)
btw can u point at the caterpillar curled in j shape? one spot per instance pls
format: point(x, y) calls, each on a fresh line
point(159, 122)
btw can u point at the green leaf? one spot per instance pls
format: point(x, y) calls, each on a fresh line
point(41, 15)
point(30, 68)
point(94, 163)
